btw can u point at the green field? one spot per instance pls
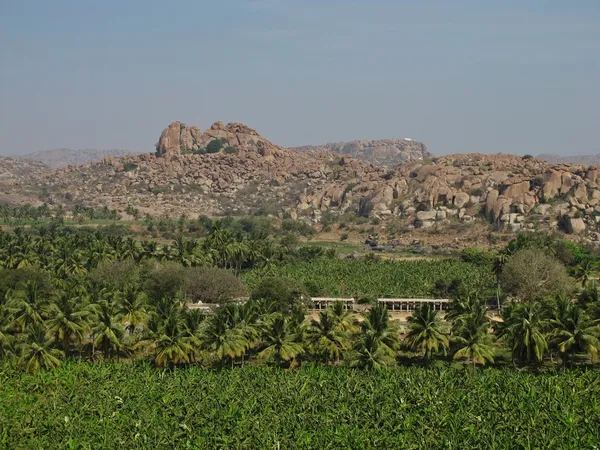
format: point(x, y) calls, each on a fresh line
point(83, 405)
point(404, 279)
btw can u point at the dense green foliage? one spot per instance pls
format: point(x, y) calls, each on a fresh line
point(70, 294)
point(404, 279)
point(123, 406)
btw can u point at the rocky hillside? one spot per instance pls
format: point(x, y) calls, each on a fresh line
point(384, 152)
point(227, 169)
point(572, 159)
point(16, 176)
point(14, 170)
point(62, 157)
point(231, 169)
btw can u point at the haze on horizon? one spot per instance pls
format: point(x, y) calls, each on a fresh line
point(463, 76)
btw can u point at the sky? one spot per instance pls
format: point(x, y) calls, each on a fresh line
point(462, 76)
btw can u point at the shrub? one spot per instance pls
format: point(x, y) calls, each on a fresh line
point(283, 294)
point(297, 226)
point(215, 145)
point(212, 285)
point(366, 299)
point(349, 187)
point(475, 256)
point(164, 280)
point(230, 149)
point(527, 156)
point(16, 278)
point(344, 237)
point(532, 274)
point(116, 274)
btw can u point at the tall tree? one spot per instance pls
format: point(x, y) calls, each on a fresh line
point(221, 340)
point(327, 337)
point(38, 351)
point(169, 341)
point(573, 332)
point(108, 330)
point(67, 319)
point(26, 305)
point(426, 332)
point(523, 327)
point(279, 342)
point(473, 341)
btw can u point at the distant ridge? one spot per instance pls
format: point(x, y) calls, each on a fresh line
point(573, 159)
point(381, 152)
point(62, 157)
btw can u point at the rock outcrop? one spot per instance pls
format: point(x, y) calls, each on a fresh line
point(15, 170)
point(247, 174)
point(179, 138)
point(571, 159)
point(384, 152)
point(62, 157)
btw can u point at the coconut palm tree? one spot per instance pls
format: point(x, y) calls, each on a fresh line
point(426, 332)
point(26, 305)
point(108, 330)
point(344, 318)
point(377, 322)
point(67, 319)
point(572, 332)
point(369, 353)
point(473, 341)
point(279, 342)
point(328, 339)
point(38, 352)
point(6, 338)
point(523, 327)
point(584, 271)
point(133, 308)
point(169, 341)
point(221, 340)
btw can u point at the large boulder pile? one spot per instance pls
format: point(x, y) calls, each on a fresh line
point(179, 138)
point(248, 173)
point(383, 152)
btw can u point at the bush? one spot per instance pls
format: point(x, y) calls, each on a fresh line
point(533, 274)
point(445, 289)
point(527, 156)
point(344, 237)
point(297, 226)
point(164, 280)
point(230, 150)
point(476, 256)
point(117, 274)
point(349, 187)
point(366, 299)
point(212, 285)
point(283, 294)
point(215, 145)
point(16, 278)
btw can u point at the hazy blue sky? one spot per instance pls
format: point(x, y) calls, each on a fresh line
point(490, 76)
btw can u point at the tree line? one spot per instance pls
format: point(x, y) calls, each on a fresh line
point(90, 294)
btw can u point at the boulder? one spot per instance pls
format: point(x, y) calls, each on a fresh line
point(516, 188)
point(543, 209)
point(461, 199)
point(426, 215)
point(575, 225)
